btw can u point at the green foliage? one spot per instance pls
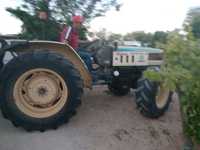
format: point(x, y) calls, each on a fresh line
point(115, 37)
point(148, 39)
point(83, 33)
point(159, 37)
point(88, 8)
point(195, 25)
point(35, 27)
point(192, 22)
point(181, 72)
point(144, 38)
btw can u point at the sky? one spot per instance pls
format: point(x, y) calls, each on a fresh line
point(135, 15)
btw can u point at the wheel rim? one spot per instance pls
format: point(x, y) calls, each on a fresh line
point(162, 96)
point(40, 93)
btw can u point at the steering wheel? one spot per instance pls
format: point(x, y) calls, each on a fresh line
point(96, 45)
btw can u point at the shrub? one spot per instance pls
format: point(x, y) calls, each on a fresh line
point(181, 72)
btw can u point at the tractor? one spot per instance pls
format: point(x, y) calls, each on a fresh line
point(42, 84)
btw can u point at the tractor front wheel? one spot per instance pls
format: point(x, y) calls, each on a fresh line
point(152, 98)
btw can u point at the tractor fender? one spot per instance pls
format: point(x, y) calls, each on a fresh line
point(63, 49)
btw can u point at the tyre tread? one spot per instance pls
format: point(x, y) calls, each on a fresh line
point(145, 99)
point(51, 56)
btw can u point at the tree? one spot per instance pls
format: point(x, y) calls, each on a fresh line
point(195, 25)
point(88, 8)
point(115, 37)
point(40, 17)
point(159, 37)
point(144, 38)
point(37, 19)
point(148, 39)
point(192, 22)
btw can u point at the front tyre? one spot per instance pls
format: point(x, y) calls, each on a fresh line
point(152, 98)
point(40, 90)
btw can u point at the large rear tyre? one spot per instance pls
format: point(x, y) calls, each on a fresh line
point(40, 90)
point(152, 98)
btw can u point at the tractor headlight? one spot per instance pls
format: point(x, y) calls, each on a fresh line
point(156, 56)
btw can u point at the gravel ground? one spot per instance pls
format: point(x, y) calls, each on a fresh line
point(103, 122)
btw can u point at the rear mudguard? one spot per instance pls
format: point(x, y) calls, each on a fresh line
point(64, 49)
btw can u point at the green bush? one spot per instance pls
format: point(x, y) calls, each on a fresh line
point(181, 72)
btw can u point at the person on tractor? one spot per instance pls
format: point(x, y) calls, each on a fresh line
point(70, 35)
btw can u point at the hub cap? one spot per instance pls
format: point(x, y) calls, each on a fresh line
point(40, 93)
point(162, 96)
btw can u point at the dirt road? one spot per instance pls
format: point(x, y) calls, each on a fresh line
point(103, 122)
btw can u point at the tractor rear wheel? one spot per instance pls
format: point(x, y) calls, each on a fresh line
point(41, 90)
point(152, 98)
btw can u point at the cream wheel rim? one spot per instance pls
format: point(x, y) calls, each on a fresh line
point(162, 96)
point(40, 93)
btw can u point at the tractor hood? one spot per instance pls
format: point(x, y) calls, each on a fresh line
point(139, 49)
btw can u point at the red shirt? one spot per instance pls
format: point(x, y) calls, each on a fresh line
point(72, 37)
